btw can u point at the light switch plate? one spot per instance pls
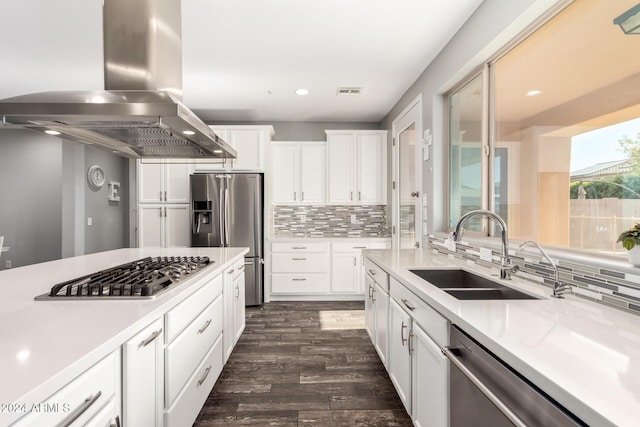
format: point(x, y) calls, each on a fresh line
point(485, 254)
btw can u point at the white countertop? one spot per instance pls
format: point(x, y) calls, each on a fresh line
point(45, 344)
point(584, 355)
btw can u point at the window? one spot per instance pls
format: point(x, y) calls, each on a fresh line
point(563, 110)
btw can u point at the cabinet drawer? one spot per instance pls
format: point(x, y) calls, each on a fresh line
point(183, 314)
point(436, 326)
point(299, 247)
point(377, 274)
point(188, 349)
point(303, 263)
point(88, 393)
point(300, 283)
point(356, 246)
point(238, 267)
point(189, 402)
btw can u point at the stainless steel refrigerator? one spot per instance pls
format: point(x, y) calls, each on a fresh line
point(227, 210)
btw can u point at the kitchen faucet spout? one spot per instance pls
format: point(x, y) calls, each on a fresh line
point(559, 288)
point(505, 262)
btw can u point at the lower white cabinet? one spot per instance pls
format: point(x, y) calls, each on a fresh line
point(347, 268)
point(143, 377)
point(234, 306)
point(376, 309)
point(399, 366)
point(164, 225)
point(92, 399)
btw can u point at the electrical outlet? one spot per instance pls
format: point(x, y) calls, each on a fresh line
point(485, 254)
point(353, 219)
point(7, 263)
point(89, 221)
point(303, 218)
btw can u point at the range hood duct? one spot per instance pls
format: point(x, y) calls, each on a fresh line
point(140, 113)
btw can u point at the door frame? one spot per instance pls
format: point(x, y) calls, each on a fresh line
point(411, 114)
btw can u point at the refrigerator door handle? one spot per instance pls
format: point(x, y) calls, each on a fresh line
point(226, 216)
point(221, 216)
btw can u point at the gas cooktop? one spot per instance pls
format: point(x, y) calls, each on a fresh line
point(145, 278)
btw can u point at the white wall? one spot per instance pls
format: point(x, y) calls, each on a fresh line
point(491, 27)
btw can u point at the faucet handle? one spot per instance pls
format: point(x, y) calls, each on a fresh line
point(560, 288)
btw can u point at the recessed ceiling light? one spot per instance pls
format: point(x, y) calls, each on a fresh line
point(52, 132)
point(217, 151)
point(533, 93)
point(302, 92)
point(189, 132)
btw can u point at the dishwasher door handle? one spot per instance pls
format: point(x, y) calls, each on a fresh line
point(484, 389)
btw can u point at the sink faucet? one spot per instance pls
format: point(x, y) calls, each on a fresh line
point(559, 288)
point(505, 262)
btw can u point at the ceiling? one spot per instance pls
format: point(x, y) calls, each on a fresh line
point(244, 59)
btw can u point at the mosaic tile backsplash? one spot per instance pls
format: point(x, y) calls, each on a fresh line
point(616, 289)
point(330, 221)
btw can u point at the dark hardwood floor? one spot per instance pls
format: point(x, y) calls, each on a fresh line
point(288, 371)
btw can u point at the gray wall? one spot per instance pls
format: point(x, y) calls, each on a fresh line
point(305, 131)
point(45, 199)
point(487, 31)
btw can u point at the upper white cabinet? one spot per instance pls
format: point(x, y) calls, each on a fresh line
point(251, 144)
point(357, 166)
point(164, 225)
point(298, 173)
point(163, 181)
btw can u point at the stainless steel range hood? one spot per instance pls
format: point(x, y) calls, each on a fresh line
point(140, 114)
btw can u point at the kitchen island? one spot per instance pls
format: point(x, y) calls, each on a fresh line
point(47, 344)
point(584, 355)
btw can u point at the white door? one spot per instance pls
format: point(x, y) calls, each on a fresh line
point(284, 165)
point(429, 381)
point(150, 225)
point(344, 277)
point(249, 145)
point(312, 174)
point(176, 182)
point(407, 175)
point(143, 373)
point(177, 221)
point(399, 356)
point(370, 169)
point(342, 167)
point(150, 182)
point(381, 304)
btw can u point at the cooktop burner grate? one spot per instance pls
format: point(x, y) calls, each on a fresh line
point(143, 278)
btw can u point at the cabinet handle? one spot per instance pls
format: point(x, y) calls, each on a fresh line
point(241, 268)
point(373, 295)
point(402, 338)
point(372, 272)
point(237, 292)
point(359, 196)
point(165, 211)
point(370, 292)
point(351, 196)
point(152, 337)
point(294, 196)
point(406, 303)
point(161, 214)
point(80, 410)
point(204, 377)
point(298, 259)
point(231, 271)
point(411, 335)
point(359, 247)
point(295, 279)
point(299, 247)
point(302, 196)
point(117, 422)
point(165, 196)
point(206, 325)
point(355, 262)
point(161, 196)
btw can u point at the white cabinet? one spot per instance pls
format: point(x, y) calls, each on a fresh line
point(377, 309)
point(163, 181)
point(164, 225)
point(234, 306)
point(300, 268)
point(143, 377)
point(298, 173)
point(250, 143)
point(347, 267)
point(93, 398)
point(357, 167)
point(400, 353)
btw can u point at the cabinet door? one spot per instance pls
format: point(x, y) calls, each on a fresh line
point(312, 174)
point(176, 182)
point(370, 169)
point(228, 328)
point(369, 314)
point(399, 357)
point(250, 147)
point(177, 232)
point(344, 269)
point(239, 309)
point(285, 175)
point(150, 225)
point(429, 381)
point(381, 304)
point(150, 182)
point(341, 168)
point(143, 377)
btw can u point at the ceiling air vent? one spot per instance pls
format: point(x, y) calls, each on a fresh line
point(348, 91)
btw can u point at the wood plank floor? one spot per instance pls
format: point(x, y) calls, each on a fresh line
point(287, 370)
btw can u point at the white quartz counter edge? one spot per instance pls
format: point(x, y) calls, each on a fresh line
point(584, 355)
point(46, 344)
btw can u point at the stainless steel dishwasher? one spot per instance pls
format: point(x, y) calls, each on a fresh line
point(486, 392)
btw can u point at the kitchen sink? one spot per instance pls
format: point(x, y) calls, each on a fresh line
point(464, 285)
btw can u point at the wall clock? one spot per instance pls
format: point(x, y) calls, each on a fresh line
point(95, 176)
